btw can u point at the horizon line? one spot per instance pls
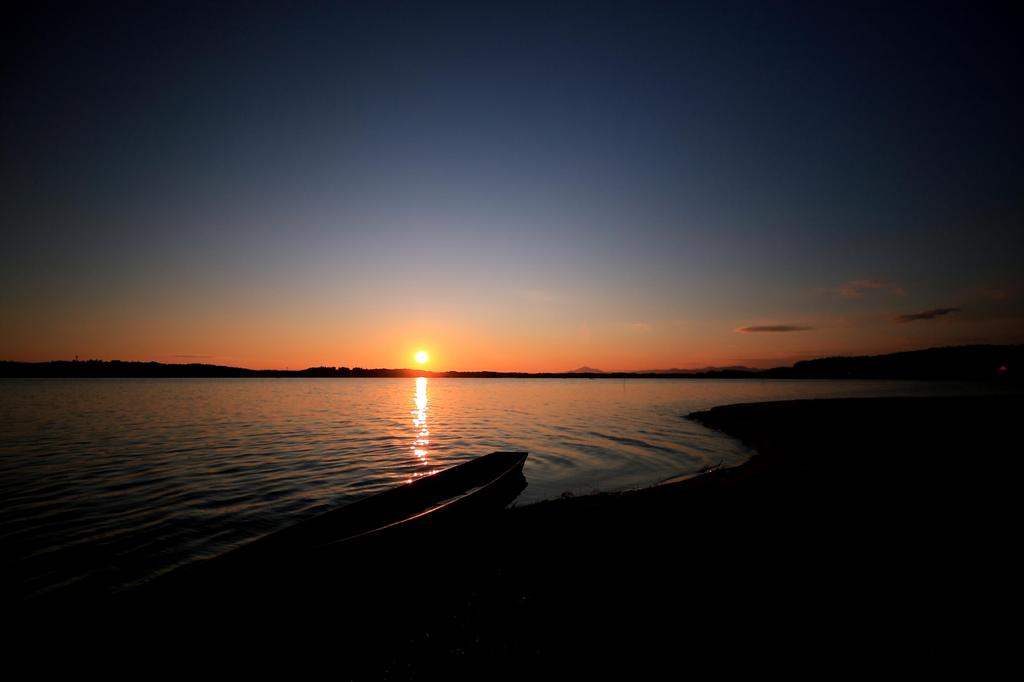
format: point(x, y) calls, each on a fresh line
point(384, 372)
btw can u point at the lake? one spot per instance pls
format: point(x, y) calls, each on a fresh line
point(109, 483)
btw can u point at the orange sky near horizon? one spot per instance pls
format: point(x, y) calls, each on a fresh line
point(529, 341)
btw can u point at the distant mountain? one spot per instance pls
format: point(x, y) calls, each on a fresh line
point(585, 370)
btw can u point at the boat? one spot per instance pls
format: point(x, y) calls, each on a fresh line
point(448, 500)
point(344, 550)
point(488, 482)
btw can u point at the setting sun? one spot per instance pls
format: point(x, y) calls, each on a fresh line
point(422, 357)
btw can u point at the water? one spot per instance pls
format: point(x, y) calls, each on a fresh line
point(109, 483)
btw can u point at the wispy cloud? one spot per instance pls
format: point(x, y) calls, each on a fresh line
point(773, 328)
point(926, 314)
point(195, 357)
point(858, 287)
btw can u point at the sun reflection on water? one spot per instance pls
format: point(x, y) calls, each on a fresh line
point(420, 446)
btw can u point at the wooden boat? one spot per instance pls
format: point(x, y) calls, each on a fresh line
point(451, 500)
point(461, 491)
point(491, 481)
point(371, 536)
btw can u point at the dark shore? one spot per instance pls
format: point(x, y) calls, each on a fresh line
point(864, 531)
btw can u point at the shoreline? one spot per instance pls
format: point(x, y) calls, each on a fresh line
point(807, 553)
point(950, 363)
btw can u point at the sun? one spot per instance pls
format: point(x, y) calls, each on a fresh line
point(422, 357)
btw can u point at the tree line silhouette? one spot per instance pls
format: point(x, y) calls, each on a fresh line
point(948, 363)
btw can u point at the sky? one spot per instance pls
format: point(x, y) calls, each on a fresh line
point(520, 187)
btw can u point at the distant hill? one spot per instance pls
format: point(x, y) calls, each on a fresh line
point(158, 370)
point(951, 363)
point(676, 370)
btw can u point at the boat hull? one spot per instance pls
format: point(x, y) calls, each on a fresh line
point(449, 500)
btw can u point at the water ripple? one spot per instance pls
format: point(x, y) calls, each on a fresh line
point(108, 483)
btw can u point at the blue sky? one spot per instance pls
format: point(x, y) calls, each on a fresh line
point(518, 187)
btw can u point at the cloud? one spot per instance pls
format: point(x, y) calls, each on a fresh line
point(858, 287)
point(926, 314)
point(195, 356)
point(774, 328)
